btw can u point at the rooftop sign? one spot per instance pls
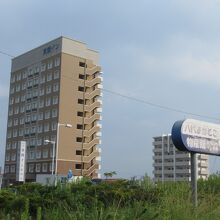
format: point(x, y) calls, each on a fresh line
point(196, 136)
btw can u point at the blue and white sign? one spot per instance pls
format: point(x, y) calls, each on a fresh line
point(196, 136)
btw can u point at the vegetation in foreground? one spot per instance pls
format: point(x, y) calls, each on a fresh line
point(135, 199)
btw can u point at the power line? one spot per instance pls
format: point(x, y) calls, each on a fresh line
point(168, 108)
point(159, 106)
point(7, 54)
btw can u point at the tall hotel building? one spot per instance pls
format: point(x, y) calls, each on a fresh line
point(55, 87)
point(170, 164)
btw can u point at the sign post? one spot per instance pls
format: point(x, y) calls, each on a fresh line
point(196, 137)
point(194, 178)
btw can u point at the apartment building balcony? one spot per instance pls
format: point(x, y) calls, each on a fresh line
point(90, 83)
point(91, 107)
point(94, 93)
point(203, 163)
point(203, 172)
point(182, 163)
point(92, 70)
point(181, 171)
point(90, 157)
point(91, 119)
point(90, 170)
point(89, 145)
point(88, 133)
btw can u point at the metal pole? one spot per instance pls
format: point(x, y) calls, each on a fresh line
point(58, 128)
point(194, 178)
point(53, 156)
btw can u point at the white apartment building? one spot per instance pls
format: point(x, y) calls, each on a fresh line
point(170, 164)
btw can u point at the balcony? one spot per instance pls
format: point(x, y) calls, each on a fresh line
point(91, 71)
point(89, 145)
point(91, 119)
point(88, 133)
point(94, 93)
point(91, 107)
point(90, 83)
point(91, 169)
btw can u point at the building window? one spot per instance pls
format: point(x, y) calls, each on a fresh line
point(54, 126)
point(44, 167)
point(31, 168)
point(54, 113)
point(15, 121)
point(13, 156)
point(48, 89)
point(11, 102)
point(46, 127)
point(27, 119)
point(35, 81)
point(82, 64)
point(81, 76)
point(80, 114)
point(41, 103)
point(42, 79)
point(9, 134)
point(40, 128)
point(35, 93)
point(43, 67)
point(49, 77)
point(22, 98)
point(12, 79)
point(8, 146)
point(31, 155)
point(28, 107)
point(79, 126)
point(47, 114)
point(9, 122)
point(24, 75)
point(41, 116)
point(57, 61)
point(16, 110)
point(15, 133)
point(78, 139)
point(21, 131)
point(12, 90)
point(6, 169)
point(56, 74)
point(7, 157)
point(22, 108)
point(37, 168)
point(18, 77)
point(48, 101)
point(49, 64)
point(17, 99)
point(17, 88)
point(14, 145)
point(12, 169)
point(38, 154)
point(41, 91)
point(78, 152)
point(34, 105)
point(81, 89)
point(23, 86)
point(45, 153)
point(10, 112)
point(55, 100)
point(78, 166)
point(29, 83)
point(39, 141)
point(80, 101)
point(55, 87)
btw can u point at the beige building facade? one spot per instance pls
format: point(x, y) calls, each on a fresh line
point(170, 164)
point(56, 84)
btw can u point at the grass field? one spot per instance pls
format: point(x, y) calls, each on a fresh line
point(134, 199)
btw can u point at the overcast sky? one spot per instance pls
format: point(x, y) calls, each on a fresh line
point(164, 52)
